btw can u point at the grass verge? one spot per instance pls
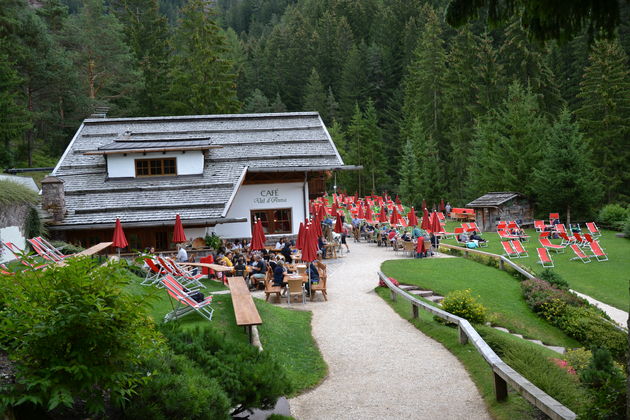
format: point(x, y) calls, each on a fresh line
point(497, 290)
point(285, 333)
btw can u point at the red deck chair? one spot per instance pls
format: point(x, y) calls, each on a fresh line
point(588, 238)
point(5, 270)
point(50, 249)
point(553, 216)
point(465, 226)
point(560, 228)
point(510, 252)
point(546, 243)
point(580, 240)
point(188, 304)
point(539, 225)
point(520, 249)
point(579, 254)
point(501, 225)
point(593, 230)
point(168, 267)
point(42, 252)
point(474, 226)
point(544, 257)
point(153, 274)
point(598, 252)
point(505, 236)
point(457, 232)
point(566, 239)
point(19, 255)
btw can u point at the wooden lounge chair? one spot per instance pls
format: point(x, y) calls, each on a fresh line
point(579, 254)
point(598, 252)
point(320, 287)
point(544, 257)
point(296, 287)
point(270, 288)
point(593, 230)
point(510, 252)
point(546, 243)
point(520, 249)
point(186, 304)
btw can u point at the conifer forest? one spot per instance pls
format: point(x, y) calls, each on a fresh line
point(429, 109)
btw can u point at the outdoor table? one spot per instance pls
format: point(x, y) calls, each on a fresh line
point(215, 267)
point(94, 249)
point(294, 276)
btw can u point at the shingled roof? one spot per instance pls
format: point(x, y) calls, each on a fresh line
point(235, 143)
point(492, 199)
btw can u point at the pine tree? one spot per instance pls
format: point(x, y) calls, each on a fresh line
point(429, 182)
point(256, 102)
point(354, 147)
point(14, 119)
point(374, 163)
point(277, 105)
point(315, 95)
point(202, 78)
point(567, 177)
point(332, 107)
point(409, 173)
point(508, 145)
point(604, 115)
point(354, 82)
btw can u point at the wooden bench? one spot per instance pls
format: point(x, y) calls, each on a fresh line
point(245, 310)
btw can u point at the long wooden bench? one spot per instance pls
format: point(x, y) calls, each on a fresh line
point(245, 310)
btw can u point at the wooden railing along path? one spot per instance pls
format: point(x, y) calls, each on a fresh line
point(503, 374)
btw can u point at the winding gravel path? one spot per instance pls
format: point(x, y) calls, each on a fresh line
point(380, 366)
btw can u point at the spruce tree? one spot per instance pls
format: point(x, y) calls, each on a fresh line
point(508, 145)
point(375, 164)
point(202, 77)
point(354, 148)
point(567, 178)
point(315, 95)
point(14, 119)
point(354, 82)
point(277, 105)
point(256, 102)
point(409, 173)
point(429, 181)
point(604, 115)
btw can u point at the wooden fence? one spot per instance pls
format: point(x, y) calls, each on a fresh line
point(503, 374)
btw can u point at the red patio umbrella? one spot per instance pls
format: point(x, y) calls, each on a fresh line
point(369, 216)
point(119, 241)
point(300, 237)
point(361, 213)
point(382, 218)
point(338, 225)
point(394, 220)
point(398, 200)
point(317, 225)
point(424, 204)
point(309, 248)
point(425, 219)
point(258, 243)
point(413, 219)
point(261, 231)
point(178, 231)
point(335, 209)
point(434, 223)
point(442, 208)
point(321, 212)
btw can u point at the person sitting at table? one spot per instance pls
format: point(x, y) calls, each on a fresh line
point(240, 269)
point(259, 270)
point(321, 244)
point(405, 237)
point(313, 278)
point(278, 274)
point(280, 243)
point(391, 237)
point(435, 242)
point(321, 266)
point(286, 251)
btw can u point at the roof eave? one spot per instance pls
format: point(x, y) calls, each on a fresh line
point(155, 223)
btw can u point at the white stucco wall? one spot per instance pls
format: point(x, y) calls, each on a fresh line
point(11, 234)
point(260, 197)
point(189, 163)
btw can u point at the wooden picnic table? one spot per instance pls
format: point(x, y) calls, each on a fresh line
point(245, 310)
point(215, 267)
point(94, 249)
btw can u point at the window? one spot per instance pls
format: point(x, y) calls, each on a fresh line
point(156, 167)
point(274, 221)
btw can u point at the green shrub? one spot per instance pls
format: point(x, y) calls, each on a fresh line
point(74, 333)
point(578, 359)
point(613, 216)
point(626, 229)
point(607, 385)
point(250, 378)
point(539, 294)
point(177, 389)
point(463, 304)
point(213, 241)
point(554, 279)
point(66, 248)
point(12, 192)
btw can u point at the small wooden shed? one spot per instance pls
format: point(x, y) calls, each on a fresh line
point(496, 206)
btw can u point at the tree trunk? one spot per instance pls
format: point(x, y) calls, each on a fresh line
point(569, 216)
point(30, 134)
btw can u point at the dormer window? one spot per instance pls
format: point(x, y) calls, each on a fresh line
point(156, 167)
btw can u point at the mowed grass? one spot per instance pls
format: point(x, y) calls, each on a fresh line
point(285, 333)
point(606, 281)
point(497, 290)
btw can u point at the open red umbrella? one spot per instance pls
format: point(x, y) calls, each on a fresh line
point(178, 231)
point(394, 220)
point(425, 219)
point(119, 241)
point(442, 205)
point(300, 237)
point(338, 225)
point(382, 218)
point(413, 219)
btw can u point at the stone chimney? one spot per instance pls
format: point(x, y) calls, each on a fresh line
point(54, 197)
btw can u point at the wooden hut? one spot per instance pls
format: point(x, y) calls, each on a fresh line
point(496, 206)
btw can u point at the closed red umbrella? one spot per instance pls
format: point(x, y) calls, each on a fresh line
point(338, 225)
point(413, 219)
point(300, 237)
point(383, 216)
point(369, 216)
point(119, 241)
point(321, 212)
point(425, 219)
point(398, 200)
point(317, 225)
point(261, 231)
point(394, 219)
point(434, 225)
point(442, 208)
point(361, 213)
point(178, 232)
point(309, 249)
point(335, 209)
point(257, 243)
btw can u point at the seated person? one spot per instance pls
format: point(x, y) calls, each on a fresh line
point(278, 274)
point(313, 273)
point(321, 244)
point(259, 270)
point(405, 237)
point(240, 269)
point(476, 237)
point(463, 237)
point(280, 243)
point(286, 251)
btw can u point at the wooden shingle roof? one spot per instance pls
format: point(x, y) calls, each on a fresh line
point(493, 199)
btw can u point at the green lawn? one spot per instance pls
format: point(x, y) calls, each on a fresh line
point(285, 333)
point(497, 290)
point(605, 281)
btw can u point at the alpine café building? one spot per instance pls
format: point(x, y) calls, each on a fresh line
point(218, 172)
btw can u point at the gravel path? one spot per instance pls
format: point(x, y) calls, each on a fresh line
point(380, 366)
point(617, 315)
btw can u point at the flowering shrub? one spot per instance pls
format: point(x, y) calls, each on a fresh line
point(463, 304)
point(395, 282)
point(564, 365)
point(578, 359)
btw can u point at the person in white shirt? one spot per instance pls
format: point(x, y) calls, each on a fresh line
point(280, 243)
point(182, 255)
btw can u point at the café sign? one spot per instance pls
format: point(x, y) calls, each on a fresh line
point(269, 196)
